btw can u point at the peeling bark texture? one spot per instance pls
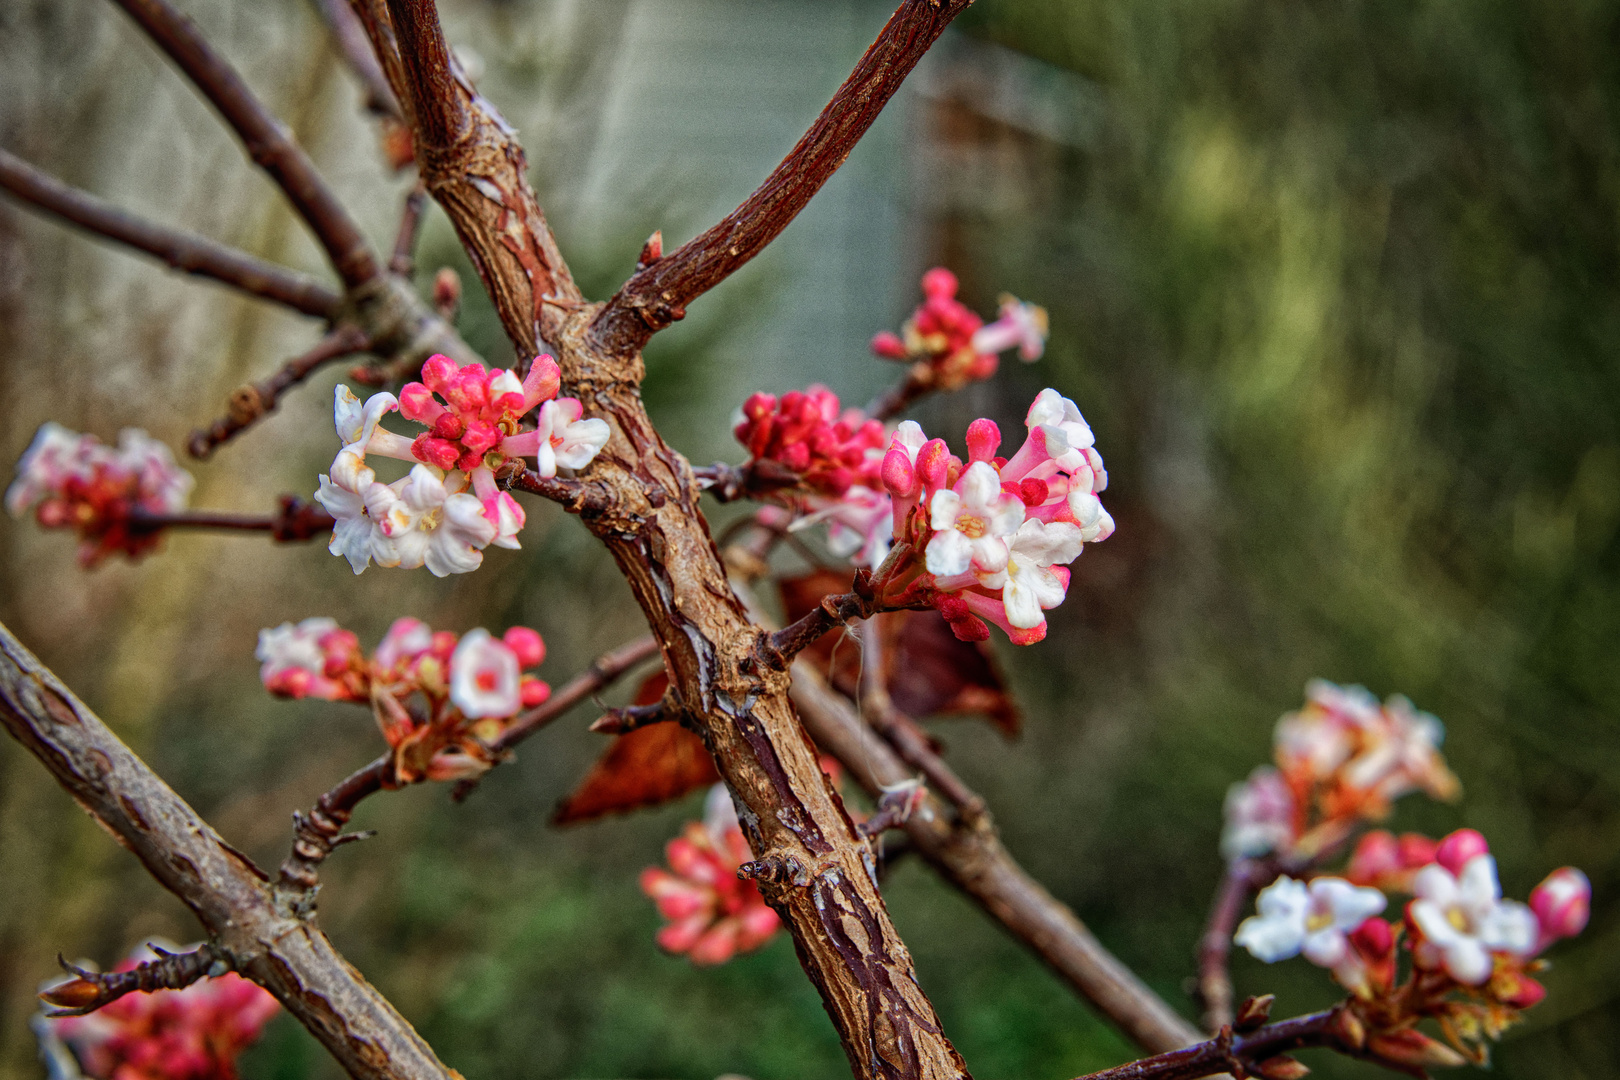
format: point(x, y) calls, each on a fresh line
point(230, 896)
point(659, 294)
point(810, 864)
point(969, 854)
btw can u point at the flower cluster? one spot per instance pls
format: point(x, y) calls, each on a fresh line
point(809, 432)
point(1473, 953)
point(441, 702)
point(1341, 760)
point(997, 534)
point(711, 914)
point(190, 1034)
point(97, 490)
point(949, 346)
point(449, 507)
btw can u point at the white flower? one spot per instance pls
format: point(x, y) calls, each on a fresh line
point(1313, 919)
point(343, 495)
point(163, 486)
point(971, 523)
point(1464, 919)
point(485, 680)
point(293, 646)
point(55, 454)
point(1060, 421)
point(408, 637)
point(1259, 815)
point(859, 525)
point(1027, 583)
point(565, 439)
point(420, 522)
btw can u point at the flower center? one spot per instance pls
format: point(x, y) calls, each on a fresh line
point(1318, 920)
point(431, 519)
point(485, 681)
point(1456, 918)
point(970, 526)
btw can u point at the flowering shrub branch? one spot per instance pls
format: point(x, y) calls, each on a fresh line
point(88, 991)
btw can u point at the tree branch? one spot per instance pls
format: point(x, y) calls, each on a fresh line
point(230, 896)
point(317, 833)
point(660, 294)
point(266, 138)
point(295, 520)
point(350, 35)
point(252, 402)
point(184, 251)
point(1240, 1055)
point(969, 854)
point(88, 991)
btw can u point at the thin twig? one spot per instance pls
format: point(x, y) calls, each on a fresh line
point(897, 398)
point(184, 251)
point(232, 898)
point(660, 294)
point(758, 479)
point(403, 261)
point(266, 138)
point(603, 672)
point(317, 833)
point(578, 496)
point(252, 402)
point(88, 991)
point(296, 520)
point(1215, 947)
point(1236, 1054)
point(350, 35)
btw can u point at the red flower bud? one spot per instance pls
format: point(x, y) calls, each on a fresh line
point(889, 346)
point(1456, 849)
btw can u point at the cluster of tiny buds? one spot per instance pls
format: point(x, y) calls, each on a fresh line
point(948, 345)
point(449, 507)
point(465, 691)
point(75, 481)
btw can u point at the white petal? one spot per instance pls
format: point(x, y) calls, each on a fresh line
point(1511, 927)
point(1468, 961)
point(1349, 905)
point(1326, 947)
point(944, 509)
point(949, 552)
point(981, 488)
point(1047, 545)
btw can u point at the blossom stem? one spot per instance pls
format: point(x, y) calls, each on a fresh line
point(577, 496)
point(1215, 947)
point(1227, 1052)
point(252, 402)
point(899, 397)
point(182, 250)
point(296, 520)
point(317, 833)
point(90, 990)
point(758, 479)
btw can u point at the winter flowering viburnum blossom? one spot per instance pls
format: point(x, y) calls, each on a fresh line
point(449, 507)
point(997, 534)
point(79, 483)
point(711, 914)
point(949, 346)
point(190, 1034)
point(441, 702)
point(1310, 919)
point(1473, 953)
point(1341, 760)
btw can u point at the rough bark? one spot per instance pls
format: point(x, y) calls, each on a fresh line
point(231, 897)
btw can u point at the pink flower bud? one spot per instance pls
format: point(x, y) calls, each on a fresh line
point(481, 437)
point(449, 426)
point(1034, 492)
point(534, 692)
point(983, 439)
point(1456, 849)
point(437, 371)
point(1562, 903)
point(528, 645)
point(1377, 855)
point(416, 402)
point(438, 452)
point(542, 382)
point(899, 477)
point(888, 345)
point(939, 284)
point(446, 289)
point(933, 464)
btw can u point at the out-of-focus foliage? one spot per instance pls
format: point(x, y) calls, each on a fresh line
point(1335, 284)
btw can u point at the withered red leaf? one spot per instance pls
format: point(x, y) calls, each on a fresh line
point(646, 767)
point(929, 672)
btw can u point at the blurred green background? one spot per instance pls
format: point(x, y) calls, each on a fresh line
point(1335, 283)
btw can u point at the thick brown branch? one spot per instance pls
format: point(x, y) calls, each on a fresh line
point(268, 143)
point(231, 897)
point(1240, 1055)
point(90, 990)
point(754, 480)
point(970, 855)
point(660, 294)
point(472, 163)
point(350, 35)
point(184, 251)
point(252, 402)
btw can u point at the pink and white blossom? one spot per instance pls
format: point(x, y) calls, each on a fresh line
point(1019, 324)
point(304, 659)
point(1562, 904)
point(485, 677)
point(972, 523)
point(1462, 919)
point(421, 521)
point(1313, 919)
point(1259, 815)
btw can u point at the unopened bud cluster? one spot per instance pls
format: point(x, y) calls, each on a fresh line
point(949, 346)
point(440, 701)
